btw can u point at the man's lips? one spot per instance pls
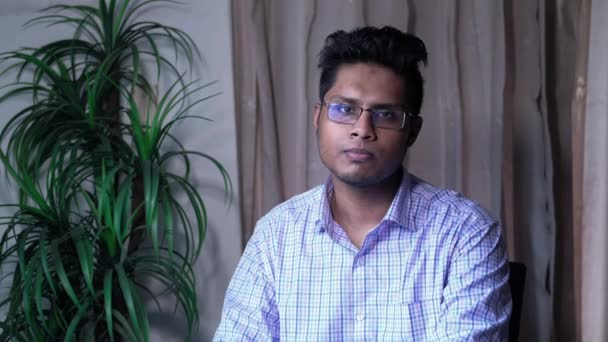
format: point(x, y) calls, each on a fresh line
point(358, 154)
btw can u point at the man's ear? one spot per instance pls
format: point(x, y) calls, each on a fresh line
point(415, 126)
point(316, 116)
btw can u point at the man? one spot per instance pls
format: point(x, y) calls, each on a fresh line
point(375, 254)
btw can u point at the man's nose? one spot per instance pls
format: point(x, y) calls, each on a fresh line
point(364, 127)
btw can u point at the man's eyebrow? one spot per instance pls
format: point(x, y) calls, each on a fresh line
point(345, 99)
point(358, 102)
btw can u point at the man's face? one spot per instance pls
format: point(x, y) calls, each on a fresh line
point(360, 154)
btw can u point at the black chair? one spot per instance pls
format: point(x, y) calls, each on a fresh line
point(517, 279)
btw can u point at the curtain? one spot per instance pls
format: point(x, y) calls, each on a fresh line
point(497, 118)
point(276, 45)
point(530, 212)
point(561, 58)
point(591, 184)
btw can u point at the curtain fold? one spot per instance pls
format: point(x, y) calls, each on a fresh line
point(533, 227)
point(591, 201)
point(578, 147)
point(561, 56)
point(259, 163)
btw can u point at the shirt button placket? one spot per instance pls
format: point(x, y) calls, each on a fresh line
point(359, 298)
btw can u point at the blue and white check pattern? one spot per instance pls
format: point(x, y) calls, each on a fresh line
point(434, 269)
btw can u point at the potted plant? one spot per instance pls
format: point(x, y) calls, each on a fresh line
point(99, 210)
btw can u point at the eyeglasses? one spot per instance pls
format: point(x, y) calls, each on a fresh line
point(345, 113)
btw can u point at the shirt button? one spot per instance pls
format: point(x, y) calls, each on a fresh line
point(360, 316)
point(359, 262)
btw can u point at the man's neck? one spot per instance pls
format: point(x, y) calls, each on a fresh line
point(359, 209)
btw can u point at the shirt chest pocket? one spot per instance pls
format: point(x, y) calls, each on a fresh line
point(414, 321)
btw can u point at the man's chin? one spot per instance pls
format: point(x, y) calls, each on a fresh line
point(360, 181)
point(363, 180)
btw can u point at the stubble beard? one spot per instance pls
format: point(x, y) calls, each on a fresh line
point(364, 181)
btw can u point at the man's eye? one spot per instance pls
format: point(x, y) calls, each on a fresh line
point(386, 114)
point(345, 108)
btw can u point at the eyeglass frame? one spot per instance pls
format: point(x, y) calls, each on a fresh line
point(361, 110)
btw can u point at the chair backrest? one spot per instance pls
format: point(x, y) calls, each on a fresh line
point(517, 280)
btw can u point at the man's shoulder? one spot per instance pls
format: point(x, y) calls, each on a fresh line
point(432, 202)
point(304, 204)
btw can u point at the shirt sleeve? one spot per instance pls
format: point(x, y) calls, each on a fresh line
point(250, 312)
point(476, 302)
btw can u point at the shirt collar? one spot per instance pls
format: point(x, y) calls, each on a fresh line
point(398, 211)
point(325, 219)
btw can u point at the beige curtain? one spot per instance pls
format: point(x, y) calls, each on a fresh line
point(578, 128)
point(276, 47)
point(261, 179)
point(497, 116)
point(561, 56)
point(591, 181)
point(529, 201)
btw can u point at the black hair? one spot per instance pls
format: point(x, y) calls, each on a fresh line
point(387, 46)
